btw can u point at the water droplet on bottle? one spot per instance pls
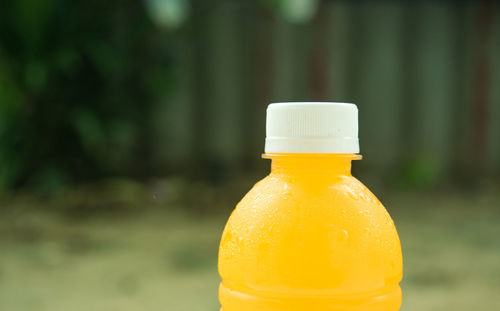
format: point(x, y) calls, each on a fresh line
point(343, 235)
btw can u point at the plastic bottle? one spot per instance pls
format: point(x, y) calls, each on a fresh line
point(310, 236)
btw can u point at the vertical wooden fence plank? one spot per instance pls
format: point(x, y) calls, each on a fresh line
point(463, 76)
point(172, 120)
point(494, 117)
point(319, 55)
point(252, 143)
point(434, 87)
point(291, 56)
point(378, 76)
point(223, 123)
point(263, 73)
point(302, 46)
point(199, 36)
point(480, 108)
point(338, 51)
point(284, 58)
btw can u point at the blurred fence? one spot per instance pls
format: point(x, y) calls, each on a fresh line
point(425, 76)
point(127, 88)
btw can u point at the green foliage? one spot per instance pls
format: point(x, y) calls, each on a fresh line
point(418, 171)
point(75, 99)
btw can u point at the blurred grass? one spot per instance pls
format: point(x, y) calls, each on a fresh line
point(124, 246)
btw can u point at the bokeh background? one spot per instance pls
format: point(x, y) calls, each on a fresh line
point(130, 129)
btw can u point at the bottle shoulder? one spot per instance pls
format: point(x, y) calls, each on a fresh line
point(343, 201)
point(275, 188)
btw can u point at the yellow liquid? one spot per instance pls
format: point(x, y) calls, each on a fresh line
point(309, 237)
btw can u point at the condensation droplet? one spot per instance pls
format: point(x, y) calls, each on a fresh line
point(343, 235)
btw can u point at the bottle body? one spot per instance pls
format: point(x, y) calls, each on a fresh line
point(310, 236)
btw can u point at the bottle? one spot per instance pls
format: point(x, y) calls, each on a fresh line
point(310, 236)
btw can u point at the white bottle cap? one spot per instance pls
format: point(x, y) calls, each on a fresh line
point(311, 127)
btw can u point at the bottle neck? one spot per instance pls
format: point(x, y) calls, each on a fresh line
point(311, 164)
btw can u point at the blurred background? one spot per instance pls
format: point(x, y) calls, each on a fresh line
point(130, 129)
